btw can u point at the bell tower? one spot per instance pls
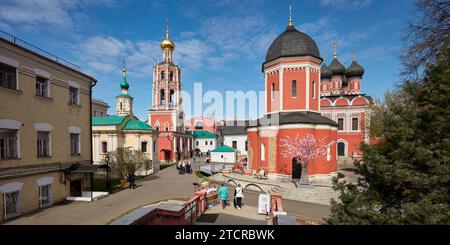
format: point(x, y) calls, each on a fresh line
point(124, 102)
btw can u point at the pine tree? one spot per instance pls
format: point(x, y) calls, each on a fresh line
point(405, 177)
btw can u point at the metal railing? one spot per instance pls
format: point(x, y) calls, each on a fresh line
point(24, 44)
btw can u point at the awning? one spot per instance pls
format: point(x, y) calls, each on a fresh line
point(87, 168)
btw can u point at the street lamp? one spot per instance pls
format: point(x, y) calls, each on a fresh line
point(108, 178)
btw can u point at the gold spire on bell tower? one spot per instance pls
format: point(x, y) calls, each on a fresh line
point(167, 43)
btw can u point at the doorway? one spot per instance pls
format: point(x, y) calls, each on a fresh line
point(75, 188)
point(296, 169)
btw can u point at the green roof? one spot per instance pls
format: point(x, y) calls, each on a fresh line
point(224, 148)
point(137, 125)
point(107, 120)
point(125, 95)
point(203, 134)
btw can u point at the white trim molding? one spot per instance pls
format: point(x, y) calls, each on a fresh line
point(10, 124)
point(42, 73)
point(43, 127)
point(9, 61)
point(74, 130)
point(73, 84)
point(44, 181)
point(11, 187)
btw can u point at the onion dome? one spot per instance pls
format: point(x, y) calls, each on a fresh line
point(124, 84)
point(344, 81)
point(292, 43)
point(167, 43)
point(336, 67)
point(355, 70)
point(325, 71)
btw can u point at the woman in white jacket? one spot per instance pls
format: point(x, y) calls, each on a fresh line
point(239, 195)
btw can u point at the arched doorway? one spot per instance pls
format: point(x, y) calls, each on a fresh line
point(296, 169)
point(341, 149)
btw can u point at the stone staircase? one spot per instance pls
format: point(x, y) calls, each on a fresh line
point(312, 194)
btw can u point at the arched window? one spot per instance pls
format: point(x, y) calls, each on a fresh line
point(172, 96)
point(121, 107)
point(273, 90)
point(294, 88)
point(171, 76)
point(263, 152)
point(314, 89)
point(341, 149)
point(162, 75)
point(163, 98)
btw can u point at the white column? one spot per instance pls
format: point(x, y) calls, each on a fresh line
point(307, 87)
point(96, 147)
point(174, 144)
point(281, 88)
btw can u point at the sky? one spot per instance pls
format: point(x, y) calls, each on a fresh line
point(220, 44)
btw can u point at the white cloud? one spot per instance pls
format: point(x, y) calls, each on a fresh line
point(346, 4)
point(59, 13)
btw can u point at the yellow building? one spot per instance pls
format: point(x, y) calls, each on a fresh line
point(45, 132)
point(123, 130)
point(99, 108)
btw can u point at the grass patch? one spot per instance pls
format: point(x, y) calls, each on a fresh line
point(165, 165)
point(147, 204)
point(200, 174)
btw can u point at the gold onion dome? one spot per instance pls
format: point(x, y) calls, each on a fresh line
point(167, 43)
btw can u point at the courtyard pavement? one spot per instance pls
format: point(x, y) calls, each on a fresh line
point(166, 184)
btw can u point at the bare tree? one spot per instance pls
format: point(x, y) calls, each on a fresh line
point(426, 35)
point(125, 161)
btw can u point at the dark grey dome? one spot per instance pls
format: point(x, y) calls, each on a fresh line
point(325, 72)
point(355, 70)
point(292, 43)
point(336, 67)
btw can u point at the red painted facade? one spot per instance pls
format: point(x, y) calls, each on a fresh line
point(292, 84)
point(166, 114)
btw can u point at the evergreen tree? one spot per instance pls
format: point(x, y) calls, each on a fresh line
point(405, 177)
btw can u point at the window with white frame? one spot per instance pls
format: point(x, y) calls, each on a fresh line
point(340, 123)
point(74, 144)
point(263, 152)
point(45, 196)
point(42, 87)
point(8, 78)
point(355, 123)
point(11, 204)
point(294, 88)
point(8, 144)
point(144, 146)
point(43, 144)
point(314, 89)
point(104, 147)
point(73, 95)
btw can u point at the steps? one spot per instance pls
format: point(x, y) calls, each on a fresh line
point(312, 194)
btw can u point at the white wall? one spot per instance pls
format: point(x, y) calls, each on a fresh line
point(240, 142)
point(203, 147)
point(225, 157)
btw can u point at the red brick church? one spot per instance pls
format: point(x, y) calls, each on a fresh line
point(304, 106)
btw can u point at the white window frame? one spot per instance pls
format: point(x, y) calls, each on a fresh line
point(10, 62)
point(18, 205)
point(13, 125)
point(50, 196)
point(75, 130)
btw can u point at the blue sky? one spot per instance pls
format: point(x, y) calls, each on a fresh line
point(220, 44)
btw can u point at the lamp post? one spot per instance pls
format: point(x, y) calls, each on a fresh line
point(108, 178)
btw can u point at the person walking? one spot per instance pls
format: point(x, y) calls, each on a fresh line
point(223, 194)
point(239, 196)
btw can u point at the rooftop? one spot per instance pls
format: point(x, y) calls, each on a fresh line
point(107, 120)
point(224, 148)
point(26, 45)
